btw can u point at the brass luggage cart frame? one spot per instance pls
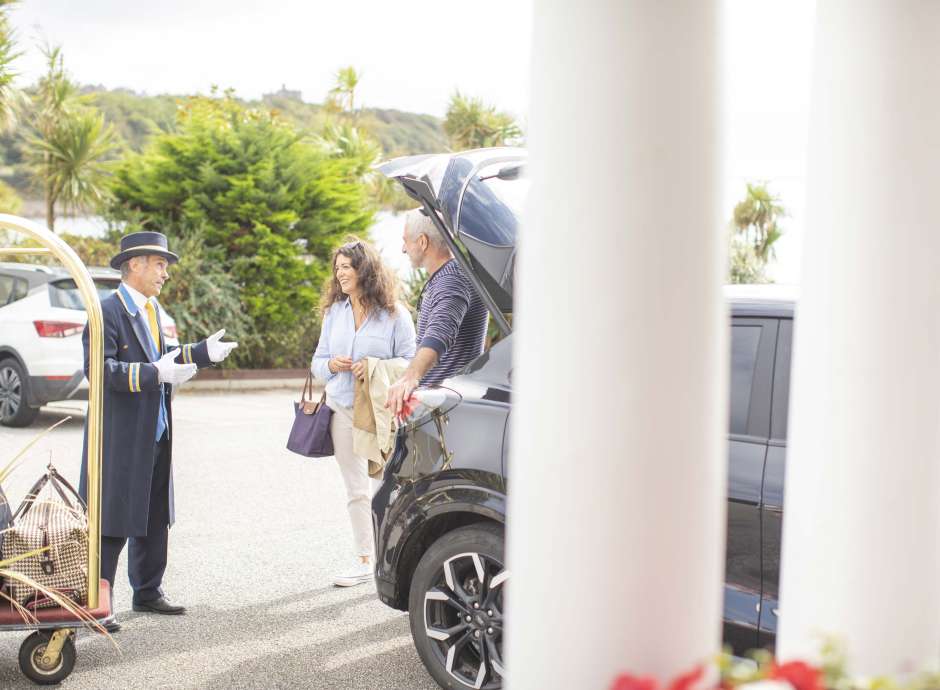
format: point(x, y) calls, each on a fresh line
point(51, 656)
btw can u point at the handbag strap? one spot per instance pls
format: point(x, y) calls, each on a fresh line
point(308, 390)
point(30, 497)
point(58, 481)
point(308, 387)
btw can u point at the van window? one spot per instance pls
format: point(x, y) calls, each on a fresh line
point(64, 293)
point(753, 341)
point(745, 342)
point(12, 289)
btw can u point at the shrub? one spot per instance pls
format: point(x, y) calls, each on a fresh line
point(270, 206)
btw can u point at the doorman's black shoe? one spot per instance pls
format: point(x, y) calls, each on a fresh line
point(112, 627)
point(159, 605)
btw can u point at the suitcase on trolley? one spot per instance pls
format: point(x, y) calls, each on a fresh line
point(51, 520)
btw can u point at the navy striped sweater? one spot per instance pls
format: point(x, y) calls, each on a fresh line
point(451, 321)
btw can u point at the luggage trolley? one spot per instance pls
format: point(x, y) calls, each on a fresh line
point(47, 656)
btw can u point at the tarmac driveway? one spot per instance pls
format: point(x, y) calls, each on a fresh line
point(259, 534)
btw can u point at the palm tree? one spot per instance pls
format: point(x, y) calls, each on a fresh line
point(754, 230)
point(72, 159)
point(344, 140)
point(756, 218)
point(9, 96)
point(344, 93)
point(471, 124)
point(67, 142)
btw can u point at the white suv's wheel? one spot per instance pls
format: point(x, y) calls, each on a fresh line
point(14, 395)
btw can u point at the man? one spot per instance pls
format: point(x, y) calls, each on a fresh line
point(452, 317)
point(137, 433)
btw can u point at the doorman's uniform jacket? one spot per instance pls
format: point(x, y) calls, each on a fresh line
point(131, 406)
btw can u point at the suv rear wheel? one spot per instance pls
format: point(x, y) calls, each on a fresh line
point(14, 395)
point(456, 606)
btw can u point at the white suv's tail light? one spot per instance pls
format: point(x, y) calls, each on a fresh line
point(57, 329)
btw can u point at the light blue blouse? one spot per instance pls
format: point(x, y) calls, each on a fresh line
point(381, 335)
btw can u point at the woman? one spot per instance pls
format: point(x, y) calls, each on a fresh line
point(361, 318)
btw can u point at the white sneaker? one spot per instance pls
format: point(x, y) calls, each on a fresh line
point(362, 572)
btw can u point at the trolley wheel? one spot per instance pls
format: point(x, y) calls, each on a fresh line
point(43, 672)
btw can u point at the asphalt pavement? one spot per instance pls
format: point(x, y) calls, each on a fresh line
point(260, 533)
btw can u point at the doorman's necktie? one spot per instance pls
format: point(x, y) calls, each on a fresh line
point(155, 334)
point(154, 328)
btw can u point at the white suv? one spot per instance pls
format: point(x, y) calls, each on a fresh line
point(41, 323)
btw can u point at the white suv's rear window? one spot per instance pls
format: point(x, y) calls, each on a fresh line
point(12, 289)
point(64, 293)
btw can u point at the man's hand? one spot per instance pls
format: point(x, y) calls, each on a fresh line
point(338, 364)
point(170, 372)
point(218, 351)
point(399, 393)
point(359, 369)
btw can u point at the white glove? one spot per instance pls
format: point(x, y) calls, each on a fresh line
point(218, 351)
point(170, 372)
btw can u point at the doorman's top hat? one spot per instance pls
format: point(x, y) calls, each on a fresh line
point(142, 244)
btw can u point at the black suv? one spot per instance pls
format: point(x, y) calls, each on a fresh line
point(441, 508)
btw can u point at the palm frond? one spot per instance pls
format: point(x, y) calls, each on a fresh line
point(81, 614)
point(70, 158)
point(24, 612)
point(343, 92)
point(19, 557)
point(10, 97)
point(470, 124)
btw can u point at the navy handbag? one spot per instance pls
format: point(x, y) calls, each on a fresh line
point(310, 434)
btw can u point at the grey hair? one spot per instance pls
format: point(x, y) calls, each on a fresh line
point(125, 269)
point(416, 223)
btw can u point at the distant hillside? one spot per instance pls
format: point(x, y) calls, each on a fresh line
point(136, 116)
point(399, 133)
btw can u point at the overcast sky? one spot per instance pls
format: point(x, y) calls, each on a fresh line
point(413, 55)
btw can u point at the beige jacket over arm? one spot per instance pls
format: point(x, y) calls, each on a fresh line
point(374, 426)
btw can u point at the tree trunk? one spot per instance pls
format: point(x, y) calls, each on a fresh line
point(50, 208)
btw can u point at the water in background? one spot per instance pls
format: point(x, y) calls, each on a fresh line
point(386, 236)
point(84, 226)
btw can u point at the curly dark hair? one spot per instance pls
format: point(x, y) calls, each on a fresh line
point(378, 286)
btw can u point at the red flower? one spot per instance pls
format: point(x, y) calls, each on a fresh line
point(687, 681)
point(627, 682)
point(799, 674)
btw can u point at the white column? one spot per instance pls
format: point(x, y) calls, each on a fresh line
point(860, 537)
point(619, 416)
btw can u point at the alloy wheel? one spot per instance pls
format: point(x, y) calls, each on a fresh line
point(463, 616)
point(11, 392)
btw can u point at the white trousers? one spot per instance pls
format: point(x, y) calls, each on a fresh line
point(355, 473)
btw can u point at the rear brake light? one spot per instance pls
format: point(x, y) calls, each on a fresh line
point(169, 331)
point(57, 329)
point(422, 401)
